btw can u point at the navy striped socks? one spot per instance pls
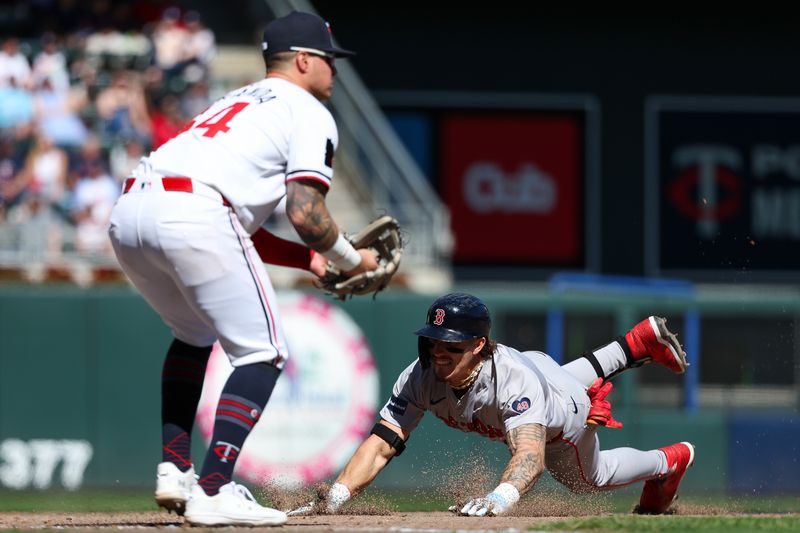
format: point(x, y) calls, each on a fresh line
point(181, 385)
point(243, 399)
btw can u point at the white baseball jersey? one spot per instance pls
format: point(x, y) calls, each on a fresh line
point(512, 389)
point(249, 143)
point(186, 250)
point(515, 388)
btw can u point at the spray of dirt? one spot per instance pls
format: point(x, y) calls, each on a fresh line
point(693, 509)
point(286, 500)
point(472, 476)
point(368, 503)
point(546, 501)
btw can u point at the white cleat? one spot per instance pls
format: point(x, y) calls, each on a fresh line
point(173, 487)
point(232, 506)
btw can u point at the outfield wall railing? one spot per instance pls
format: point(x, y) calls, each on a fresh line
point(615, 287)
point(79, 378)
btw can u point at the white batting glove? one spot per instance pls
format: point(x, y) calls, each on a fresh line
point(337, 495)
point(497, 502)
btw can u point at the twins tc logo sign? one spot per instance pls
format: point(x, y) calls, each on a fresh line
point(725, 184)
point(707, 188)
point(439, 319)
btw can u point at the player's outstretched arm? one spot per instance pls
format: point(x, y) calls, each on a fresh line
point(366, 463)
point(526, 465)
point(306, 209)
point(368, 460)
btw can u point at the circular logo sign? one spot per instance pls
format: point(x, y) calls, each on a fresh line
point(323, 404)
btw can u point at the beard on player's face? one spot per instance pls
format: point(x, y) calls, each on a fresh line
point(321, 84)
point(453, 362)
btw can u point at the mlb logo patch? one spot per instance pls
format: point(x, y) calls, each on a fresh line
point(521, 405)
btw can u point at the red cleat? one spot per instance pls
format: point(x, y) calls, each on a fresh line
point(650, 340)
point(659, 493)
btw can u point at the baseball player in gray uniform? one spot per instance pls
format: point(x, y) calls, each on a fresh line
point(547, 414)
point(187, 232)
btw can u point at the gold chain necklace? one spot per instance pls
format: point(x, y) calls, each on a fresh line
point(469, 380)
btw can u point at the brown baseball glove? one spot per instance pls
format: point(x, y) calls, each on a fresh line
point(381, 235)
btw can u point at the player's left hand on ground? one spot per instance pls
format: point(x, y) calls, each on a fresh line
point(482, 507)
point(497, 502)
point(381, 237)
point(479, 507)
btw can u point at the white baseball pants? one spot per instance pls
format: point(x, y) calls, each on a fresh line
point(190, 258)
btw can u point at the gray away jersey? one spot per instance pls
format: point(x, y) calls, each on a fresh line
point(513, 388)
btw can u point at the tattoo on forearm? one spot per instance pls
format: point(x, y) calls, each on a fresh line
point(308, 204)
point(525, 434)
point(527, 461)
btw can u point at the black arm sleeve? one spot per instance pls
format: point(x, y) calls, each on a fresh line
point(392, 439)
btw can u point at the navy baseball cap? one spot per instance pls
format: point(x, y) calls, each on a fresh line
point(300, 32)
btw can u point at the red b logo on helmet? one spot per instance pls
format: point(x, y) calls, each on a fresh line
point(439, 320)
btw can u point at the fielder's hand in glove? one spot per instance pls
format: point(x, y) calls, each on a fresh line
point(380, 238)
point(497, 502)
point(327, 502)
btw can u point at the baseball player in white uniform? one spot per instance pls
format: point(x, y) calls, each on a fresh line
point(187, 232)
point(547, 414)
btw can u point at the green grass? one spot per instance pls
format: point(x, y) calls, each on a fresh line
point(676, 523)
point(87, 500)
point(114, 499)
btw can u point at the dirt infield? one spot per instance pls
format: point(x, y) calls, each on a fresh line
point(393, 521)
point(375, 512)
point(162, 520)
point(405, 522)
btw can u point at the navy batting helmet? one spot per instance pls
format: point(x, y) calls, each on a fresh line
point(453, 317)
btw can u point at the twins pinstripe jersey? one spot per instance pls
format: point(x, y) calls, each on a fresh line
point(249, 143)
point(189, 254)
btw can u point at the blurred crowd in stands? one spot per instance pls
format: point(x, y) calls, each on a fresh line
point(100, 84)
